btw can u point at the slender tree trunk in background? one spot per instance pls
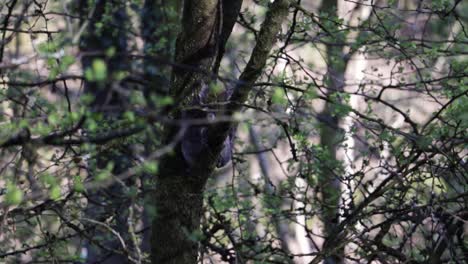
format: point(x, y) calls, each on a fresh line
point(157, 27)
point(158, 19)
point(110, 35)
point(180, 185)
point(280, 226)
point(330, 136)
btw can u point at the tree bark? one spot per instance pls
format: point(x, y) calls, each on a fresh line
point(180, 186)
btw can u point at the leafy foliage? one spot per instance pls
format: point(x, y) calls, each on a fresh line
point(351, 146)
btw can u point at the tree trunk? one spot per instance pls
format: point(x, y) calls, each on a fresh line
point(157, 23)
point(330, 138)
point(180, 184)
point(104, 203)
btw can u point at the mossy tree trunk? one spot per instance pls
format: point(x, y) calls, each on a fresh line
point(206, 26)
point(179, 185)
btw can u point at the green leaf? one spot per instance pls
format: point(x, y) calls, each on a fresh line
point(130, 116)
point(75, 116)
point(53, 119)
point(78, 184)
point(216, 88)
point(49, 180)
point(120, 75)
point(99, 70)
point(102, 176)
point(91, 125)
point(88, 74)
point(86, 98)
point(278, 96)
point(53, 73)
point(55, 192)
point(67, 60)
point(110, 52)
point(14, 195)
point(106, 173)
point(42, 129)
point(163, 101)
point(150, 167)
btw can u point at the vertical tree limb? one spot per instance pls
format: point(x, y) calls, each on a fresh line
point(180, 187)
